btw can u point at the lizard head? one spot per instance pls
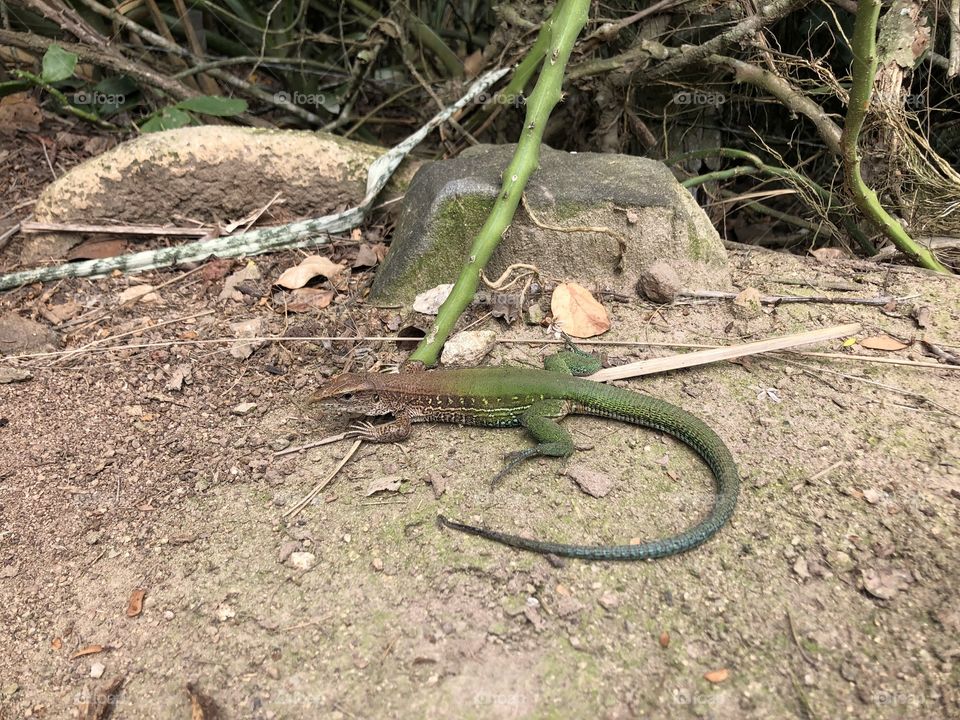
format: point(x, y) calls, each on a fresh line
point(353, 393)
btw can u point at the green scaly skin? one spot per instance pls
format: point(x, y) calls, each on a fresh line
point(537, 399)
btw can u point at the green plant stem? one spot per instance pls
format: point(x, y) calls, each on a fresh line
point(62, 99)
point(864, 71)
point(787, 174)
point(568, 19)
point(717, 175)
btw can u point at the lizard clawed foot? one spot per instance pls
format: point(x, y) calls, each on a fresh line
point(362, 429)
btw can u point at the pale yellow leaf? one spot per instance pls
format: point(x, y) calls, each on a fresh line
point(577, 312)
point(309, 268)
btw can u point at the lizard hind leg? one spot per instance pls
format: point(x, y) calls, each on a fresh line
point(540, 420)
point(572, 362)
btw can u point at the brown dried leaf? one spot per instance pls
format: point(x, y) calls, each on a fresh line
point(309, 268)
point(97, 249)
point(882, 342)
point(716, 676)
point(307, 299)
point(577, 312)
point(64, 311)
point(19, 112)
point(366, 256)
point(135, 603)
point(88, 650)
point(386, 483)
point(664, 639)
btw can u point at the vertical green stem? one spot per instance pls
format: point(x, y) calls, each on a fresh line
point(864, 72)
point(569, 17)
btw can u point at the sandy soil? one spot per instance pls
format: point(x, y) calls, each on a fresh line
point(833, 592)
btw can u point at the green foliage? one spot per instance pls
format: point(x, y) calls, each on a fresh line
point(177, 116)
point(58, 64)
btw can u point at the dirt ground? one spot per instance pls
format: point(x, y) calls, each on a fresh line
point(149, 462)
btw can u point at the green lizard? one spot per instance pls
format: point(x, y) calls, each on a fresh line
point(536, 399)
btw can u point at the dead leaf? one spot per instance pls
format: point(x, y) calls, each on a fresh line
point(97, 249)
point(230, 292)
point(473, 64)
point(882, 342)
point(664, 639)
point(307, 299)
point(215, 269)
point(716, 676)
point(177, 376)
point(202, 707)
point(592, 482)
point(824, 254)
point(56, 643)
point(577, 312)
point(438, 482)
point(88, 650)
point(429, 301)
point(884, 583)
point(922, 317)
point(135, 603)
point(386, 483)
point(64, 311)
point(366, 256)
point(19, 112)
point(309, 268)
point(139, 293)
point(102, 702)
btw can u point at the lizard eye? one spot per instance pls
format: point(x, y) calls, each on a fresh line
point(376, 398)
point(347, 396)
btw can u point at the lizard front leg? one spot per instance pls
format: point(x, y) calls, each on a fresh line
point(394, 431)
point(540, 420)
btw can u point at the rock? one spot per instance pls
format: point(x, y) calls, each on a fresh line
point(97, 669)
point(12, 374)
point(20, 335)
point(211, 173)
point(243, 408)
point(659, 283)
point(609, 600)
point(448, 202)
point(301, 560)
point(468, 348)
point(746, 305)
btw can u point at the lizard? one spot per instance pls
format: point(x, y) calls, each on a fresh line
point(535, 399)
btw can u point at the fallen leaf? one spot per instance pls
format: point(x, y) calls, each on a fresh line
point(922, 317)
point(215, 269)
point(307, 299)
point(102, 702)
point(139, 293)
point(366, 256)
point(592, 482)
point(664, 639)
point(429, 301)
point(716, 676)
point(438, 482)
point(97, 249)
point(64, 311)
point(882, 342)
point(56, 643)
point(577, 312)
point(179, 374)
point(202, 707)
point(230, 292)
point(309, 268)
point(473, 64)
point(748, 297)
point(135, 603)
point(88, 650)
point(19, 112)
point(386, 483)
point(884, 583)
